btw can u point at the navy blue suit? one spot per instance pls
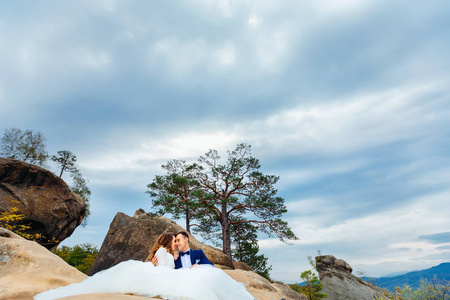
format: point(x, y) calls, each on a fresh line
point(197, 257)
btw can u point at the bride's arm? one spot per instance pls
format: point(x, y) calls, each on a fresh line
point(161, 255)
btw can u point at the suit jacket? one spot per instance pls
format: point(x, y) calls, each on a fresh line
point(197, 257)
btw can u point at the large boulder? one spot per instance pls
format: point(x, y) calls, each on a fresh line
point(26, 269)
point(262, 289)
point(339, 283)
point(49, 206)
point(133, 237)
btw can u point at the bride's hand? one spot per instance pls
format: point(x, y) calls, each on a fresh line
point(155, 260)
point(175, 255)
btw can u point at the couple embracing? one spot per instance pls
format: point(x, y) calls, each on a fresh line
point(185, 258)
point(165, 274)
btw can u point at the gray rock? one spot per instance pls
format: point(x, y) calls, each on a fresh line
point(339, 284)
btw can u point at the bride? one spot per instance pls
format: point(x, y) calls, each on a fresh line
point(144, 279)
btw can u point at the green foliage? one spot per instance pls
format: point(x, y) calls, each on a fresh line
point(30, 148)
point(174, 192)
point(220, 196)
point(429, 290)
point(25, 146)
point(246, 248)
point(66, 160)
point(312, 286)
point(237, 192)
point(80, 256)
point(80, 187)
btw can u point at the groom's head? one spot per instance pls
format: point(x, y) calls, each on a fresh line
point(182, 241)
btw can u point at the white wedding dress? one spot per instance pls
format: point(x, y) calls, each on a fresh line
point(144, 279)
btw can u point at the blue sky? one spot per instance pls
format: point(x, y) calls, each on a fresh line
point(347, 101)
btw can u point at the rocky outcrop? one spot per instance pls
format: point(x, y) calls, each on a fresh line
point(133, 237)
point(26, 269)
point(339, 284)
point(261, 288)
point(49, 206)
point(106, 297)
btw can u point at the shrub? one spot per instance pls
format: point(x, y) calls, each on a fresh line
point(13, 221)
point(312, 286)
point(429, 290)
point(80, 256)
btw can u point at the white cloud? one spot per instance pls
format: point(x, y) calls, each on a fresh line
point(135, 163)
point(194, 58)
point(3, 101)
point(333, 127)
point(91, 59)
point(263, 72)
point(226, 55)
point(254, 20)
point(438, 176)
point(347, 125)
point(217, 8)
point(296, 176)
point(341, 7)
point(271, 49)
point(375, 243)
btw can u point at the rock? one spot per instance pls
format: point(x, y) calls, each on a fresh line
point(49, 206)
point(262, 289)
point(27, 268)
point(339, 284)
point(133, 237)
point(287, 292)
point(241, 266)
point(106, 297)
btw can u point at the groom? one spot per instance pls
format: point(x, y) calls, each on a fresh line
point(188, 258)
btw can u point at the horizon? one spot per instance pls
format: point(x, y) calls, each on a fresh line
point(347, 101)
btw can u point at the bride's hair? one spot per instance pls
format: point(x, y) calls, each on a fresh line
point(164, 240)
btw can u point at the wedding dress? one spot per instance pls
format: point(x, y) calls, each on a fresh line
point(202, 282)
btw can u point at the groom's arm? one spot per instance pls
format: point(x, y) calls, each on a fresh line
point(204, 260)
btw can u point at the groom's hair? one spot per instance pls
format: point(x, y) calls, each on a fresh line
point(183, 233)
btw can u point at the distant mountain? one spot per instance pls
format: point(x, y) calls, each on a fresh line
point(412, 279)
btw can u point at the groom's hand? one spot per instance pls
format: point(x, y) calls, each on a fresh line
point(194, 266)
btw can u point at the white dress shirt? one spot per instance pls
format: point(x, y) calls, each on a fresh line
point(186, 259)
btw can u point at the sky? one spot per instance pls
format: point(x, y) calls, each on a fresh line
point(347, 101)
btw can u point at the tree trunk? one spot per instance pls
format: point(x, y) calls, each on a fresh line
point(188, 225)
point(226, 239)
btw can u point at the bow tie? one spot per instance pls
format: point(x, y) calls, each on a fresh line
point(183, 253)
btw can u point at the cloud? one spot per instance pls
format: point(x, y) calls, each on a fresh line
point(437, 238)
point(347, 101)
point(375, 243)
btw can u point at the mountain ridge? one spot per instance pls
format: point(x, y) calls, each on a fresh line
point(442, 272)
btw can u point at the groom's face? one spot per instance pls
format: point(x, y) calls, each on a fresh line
point(182, 242)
